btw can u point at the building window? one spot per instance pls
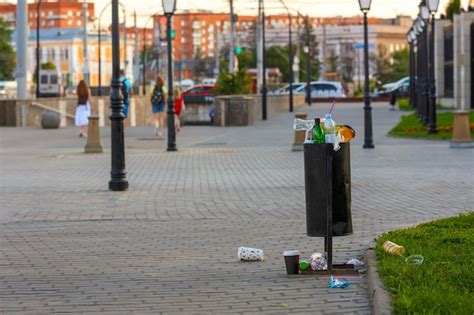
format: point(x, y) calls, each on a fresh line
point(50, 13)
point(78, 13)
point(79, 22)
point(184, 40)
point(69, 13)
point(69, 22)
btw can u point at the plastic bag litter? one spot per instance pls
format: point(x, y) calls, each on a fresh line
point(355, 262)
point(318, 262)
point(415, 260)
point(336, 283)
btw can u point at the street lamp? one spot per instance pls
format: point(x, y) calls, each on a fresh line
point(368, 142)
point(410, 66)
point(38, 66)
point(432, 7)
point(425, 15)
point(169, 6)
point(308, 70)
point(118, 174)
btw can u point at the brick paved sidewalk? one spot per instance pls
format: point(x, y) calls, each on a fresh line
point(168, 244)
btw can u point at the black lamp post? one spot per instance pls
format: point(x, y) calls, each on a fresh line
point(169, 6)
point(418, 29)
point(368, 142)
point(118, 181)
point(432, 7)
point(308, 71)
point(412, 42)
point(425, 15)
point(410, 67)
point(38, 66)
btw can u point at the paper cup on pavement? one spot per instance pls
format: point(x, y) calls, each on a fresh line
point(292, 260)
point(250, 254)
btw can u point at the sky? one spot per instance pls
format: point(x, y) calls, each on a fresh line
point(379, 8)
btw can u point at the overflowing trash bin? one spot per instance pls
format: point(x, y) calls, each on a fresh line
point(316, 163)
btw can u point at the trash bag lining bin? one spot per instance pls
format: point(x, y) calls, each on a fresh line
point(315, 164)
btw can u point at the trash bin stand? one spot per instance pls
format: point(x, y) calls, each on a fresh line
point(328, 242)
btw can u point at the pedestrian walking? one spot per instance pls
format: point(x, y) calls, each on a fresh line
point(158, 105)
point(126, 91)
point(83, 108)
point(179, 107)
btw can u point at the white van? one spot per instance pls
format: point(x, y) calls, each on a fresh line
point(50, 83)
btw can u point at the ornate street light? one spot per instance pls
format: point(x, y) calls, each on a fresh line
point(432, 7)
point(308, 70)
point(424, 17)
point(410, 67)
point(118, 174)
point(169, 6)
point(368, 142)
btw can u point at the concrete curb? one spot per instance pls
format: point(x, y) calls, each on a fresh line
point(380, 299)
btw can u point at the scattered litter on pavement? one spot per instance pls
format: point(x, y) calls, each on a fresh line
point(415, 260)
point(249, 254)
point(336, 283)
point(393, 248)
point(318, 262)
point(279, 305)
point(355, 262)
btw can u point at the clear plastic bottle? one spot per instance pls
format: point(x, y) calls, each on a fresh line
point(329, 128)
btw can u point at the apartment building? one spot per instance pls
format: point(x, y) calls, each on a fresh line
point(52, 13)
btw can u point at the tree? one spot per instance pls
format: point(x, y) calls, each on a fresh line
point(203, 67)
point(453, 7)
point(247, 59)
point(333, 62)
point(400, 66)
point(314, 51)
point(347, 69)
point(233, 83)
point(7, 54)
point(381, 64)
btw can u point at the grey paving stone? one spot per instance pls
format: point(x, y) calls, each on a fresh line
point(169, 243)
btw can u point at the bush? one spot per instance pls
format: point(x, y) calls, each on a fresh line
point(404, 105)
point(233, 83)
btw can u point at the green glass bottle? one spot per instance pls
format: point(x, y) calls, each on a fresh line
point(318, 134)
point(304, 265)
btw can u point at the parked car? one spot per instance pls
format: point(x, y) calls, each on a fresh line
point(200, 90)
point(324, 89)
point(401, 87)
point(286, 89)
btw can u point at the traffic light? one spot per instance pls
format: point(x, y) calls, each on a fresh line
point(238, 50)
point(173, 33)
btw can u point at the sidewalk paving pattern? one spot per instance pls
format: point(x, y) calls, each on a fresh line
point(169, 243)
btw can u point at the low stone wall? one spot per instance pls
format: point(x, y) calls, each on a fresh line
point(28, 113)
point(242, 110)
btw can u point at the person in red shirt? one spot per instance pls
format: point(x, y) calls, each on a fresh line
point(178, 107)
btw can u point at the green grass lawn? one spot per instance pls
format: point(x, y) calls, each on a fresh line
point(410, 126)
point(404, 105)
point(444, 282)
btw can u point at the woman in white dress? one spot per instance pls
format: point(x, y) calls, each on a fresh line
point(83, 108)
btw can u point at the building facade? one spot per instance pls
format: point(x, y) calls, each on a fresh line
point(52, 13)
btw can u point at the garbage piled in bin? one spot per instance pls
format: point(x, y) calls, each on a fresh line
point(324, 130)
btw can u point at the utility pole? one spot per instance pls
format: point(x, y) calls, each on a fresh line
point(218, 49)
point(21, 45)
point(136, 70)
point(124, 41)
point(85, 69)
point(264, 70)
point(38, 61)
point(259, 49)
point(231, 37)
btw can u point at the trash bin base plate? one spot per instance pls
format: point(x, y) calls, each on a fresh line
point(343, 269)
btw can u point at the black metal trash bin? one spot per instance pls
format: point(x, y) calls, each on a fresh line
point(316, 158)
